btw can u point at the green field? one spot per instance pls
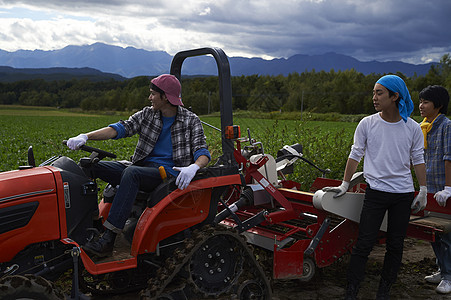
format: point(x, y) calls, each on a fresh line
point(325, 143)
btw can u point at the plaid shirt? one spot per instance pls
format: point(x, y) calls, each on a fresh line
point(187, 134)
point(438, 150)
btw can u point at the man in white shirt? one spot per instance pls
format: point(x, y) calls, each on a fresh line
point(390, 141)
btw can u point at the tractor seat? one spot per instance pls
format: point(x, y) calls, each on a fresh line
point(165, 188)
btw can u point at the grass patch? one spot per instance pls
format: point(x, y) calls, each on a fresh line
point(17, 110)
point(326, 143)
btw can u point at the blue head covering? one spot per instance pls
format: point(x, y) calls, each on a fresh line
point(396, 84)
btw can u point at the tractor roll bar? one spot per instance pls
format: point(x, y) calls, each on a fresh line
point(225, 91)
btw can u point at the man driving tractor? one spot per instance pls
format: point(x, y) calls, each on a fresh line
point(169, 135)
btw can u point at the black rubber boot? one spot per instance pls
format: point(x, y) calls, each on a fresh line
point(102, 247)
point(352, 289)
point(383, 293)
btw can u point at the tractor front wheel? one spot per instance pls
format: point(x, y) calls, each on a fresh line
point(28, 287)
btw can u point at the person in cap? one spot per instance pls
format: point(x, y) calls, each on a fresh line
point(390, 140)
point(169, 135)
point(436, 129)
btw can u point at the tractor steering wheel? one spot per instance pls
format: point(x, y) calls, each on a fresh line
point(101, 153)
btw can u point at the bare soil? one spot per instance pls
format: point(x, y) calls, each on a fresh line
point(329, 283)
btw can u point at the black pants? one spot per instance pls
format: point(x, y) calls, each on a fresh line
point(375, 205)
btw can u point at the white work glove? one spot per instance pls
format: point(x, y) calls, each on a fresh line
point(339, 190)
point(420, 201)
point(443, 195)
point(186, 175)
point(76, 142)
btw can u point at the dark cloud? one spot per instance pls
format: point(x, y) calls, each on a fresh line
point(409, 30)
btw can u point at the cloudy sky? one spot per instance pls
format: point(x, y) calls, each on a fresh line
point(413, 31)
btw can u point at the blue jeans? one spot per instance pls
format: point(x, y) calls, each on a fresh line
point(130, 179)
point(442, 250)
point(375, 204)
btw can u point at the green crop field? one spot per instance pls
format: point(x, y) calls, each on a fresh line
point(327, 144)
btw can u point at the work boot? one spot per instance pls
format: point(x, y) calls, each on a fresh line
point(103, 246)
point(383, 293)
point(98, 224)
point(352, 289)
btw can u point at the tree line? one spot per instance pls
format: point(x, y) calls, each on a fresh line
point(345, 92)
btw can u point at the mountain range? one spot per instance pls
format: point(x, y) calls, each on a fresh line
point(9, 74)
point(131, 62)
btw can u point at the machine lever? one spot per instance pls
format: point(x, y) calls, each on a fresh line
point(319, 235)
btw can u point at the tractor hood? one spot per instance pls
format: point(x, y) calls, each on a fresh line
point(20, 184)
point(28, 210)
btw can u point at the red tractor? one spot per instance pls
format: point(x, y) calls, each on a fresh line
point(170, 247)
point(177, 244)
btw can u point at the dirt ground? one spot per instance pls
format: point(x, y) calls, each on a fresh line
point(328, 283)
